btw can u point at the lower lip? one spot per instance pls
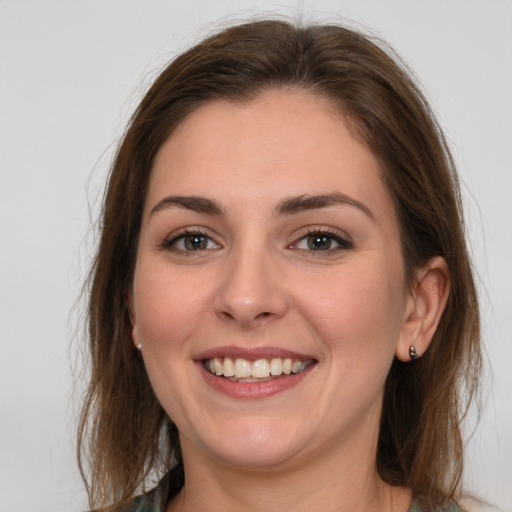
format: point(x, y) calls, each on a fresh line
point(253, 390)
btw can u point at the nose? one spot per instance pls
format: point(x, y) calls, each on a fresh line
point(252, 290)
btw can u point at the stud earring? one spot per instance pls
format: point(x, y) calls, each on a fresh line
point(139, 347)
point(412, 353)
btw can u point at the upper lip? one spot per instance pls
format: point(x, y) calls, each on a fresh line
point(251, 353)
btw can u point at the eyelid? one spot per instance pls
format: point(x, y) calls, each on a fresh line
point(169, 242)
point(345, 242)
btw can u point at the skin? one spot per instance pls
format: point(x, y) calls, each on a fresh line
point(258, 284)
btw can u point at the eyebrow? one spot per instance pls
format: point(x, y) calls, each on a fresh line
point(288, 206)
point(195, 203)
point(311, 202)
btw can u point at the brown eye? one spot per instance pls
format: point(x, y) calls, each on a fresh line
point(195, 242)
point(323, 241)
point(319, 242)
point(189, 242)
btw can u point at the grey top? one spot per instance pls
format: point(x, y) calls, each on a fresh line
point(154, 502)
point(157, 499)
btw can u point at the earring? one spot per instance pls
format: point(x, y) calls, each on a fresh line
point(412, 353)
point(139, 347)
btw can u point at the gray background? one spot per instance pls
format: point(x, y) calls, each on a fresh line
point(71, 72)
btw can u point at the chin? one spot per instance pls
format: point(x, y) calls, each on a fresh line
point(257, 457)
point(255, 448)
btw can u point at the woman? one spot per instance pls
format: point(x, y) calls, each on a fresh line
point(282, 313)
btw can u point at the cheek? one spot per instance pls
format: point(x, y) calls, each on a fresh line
point(358, 311)
point(168, 306)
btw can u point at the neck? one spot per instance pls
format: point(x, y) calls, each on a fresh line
point(338, 481)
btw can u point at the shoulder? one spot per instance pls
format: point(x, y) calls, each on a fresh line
point(142, 503)
point(157, 498)
point(451, 507)
point(466, 504)
point(473, 504)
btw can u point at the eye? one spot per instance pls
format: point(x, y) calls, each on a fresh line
point(190, 241)
point(322, 241)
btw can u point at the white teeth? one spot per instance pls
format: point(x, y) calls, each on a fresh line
point(229, 367)
point(243, 368)
point(260, 368)
point(254, 371)
point(297, 367)
point(276, 366)
point(217, 365)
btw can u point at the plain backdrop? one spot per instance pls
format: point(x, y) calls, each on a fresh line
point(71, 72)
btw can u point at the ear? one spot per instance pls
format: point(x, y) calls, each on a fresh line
point(426, 302)
point(133, 319)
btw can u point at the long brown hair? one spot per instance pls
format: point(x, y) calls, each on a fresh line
point(124, 435)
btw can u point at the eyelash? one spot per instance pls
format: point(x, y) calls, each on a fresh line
point(170, 243)
point(344, 243)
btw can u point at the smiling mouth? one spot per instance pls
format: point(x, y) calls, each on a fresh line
point(259, 370)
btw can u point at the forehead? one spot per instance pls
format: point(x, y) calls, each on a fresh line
point(282, 143)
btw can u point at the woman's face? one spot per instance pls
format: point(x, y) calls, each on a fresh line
point(269, 245)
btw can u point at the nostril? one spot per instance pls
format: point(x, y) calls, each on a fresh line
point(230, 316)
point(227, 315)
